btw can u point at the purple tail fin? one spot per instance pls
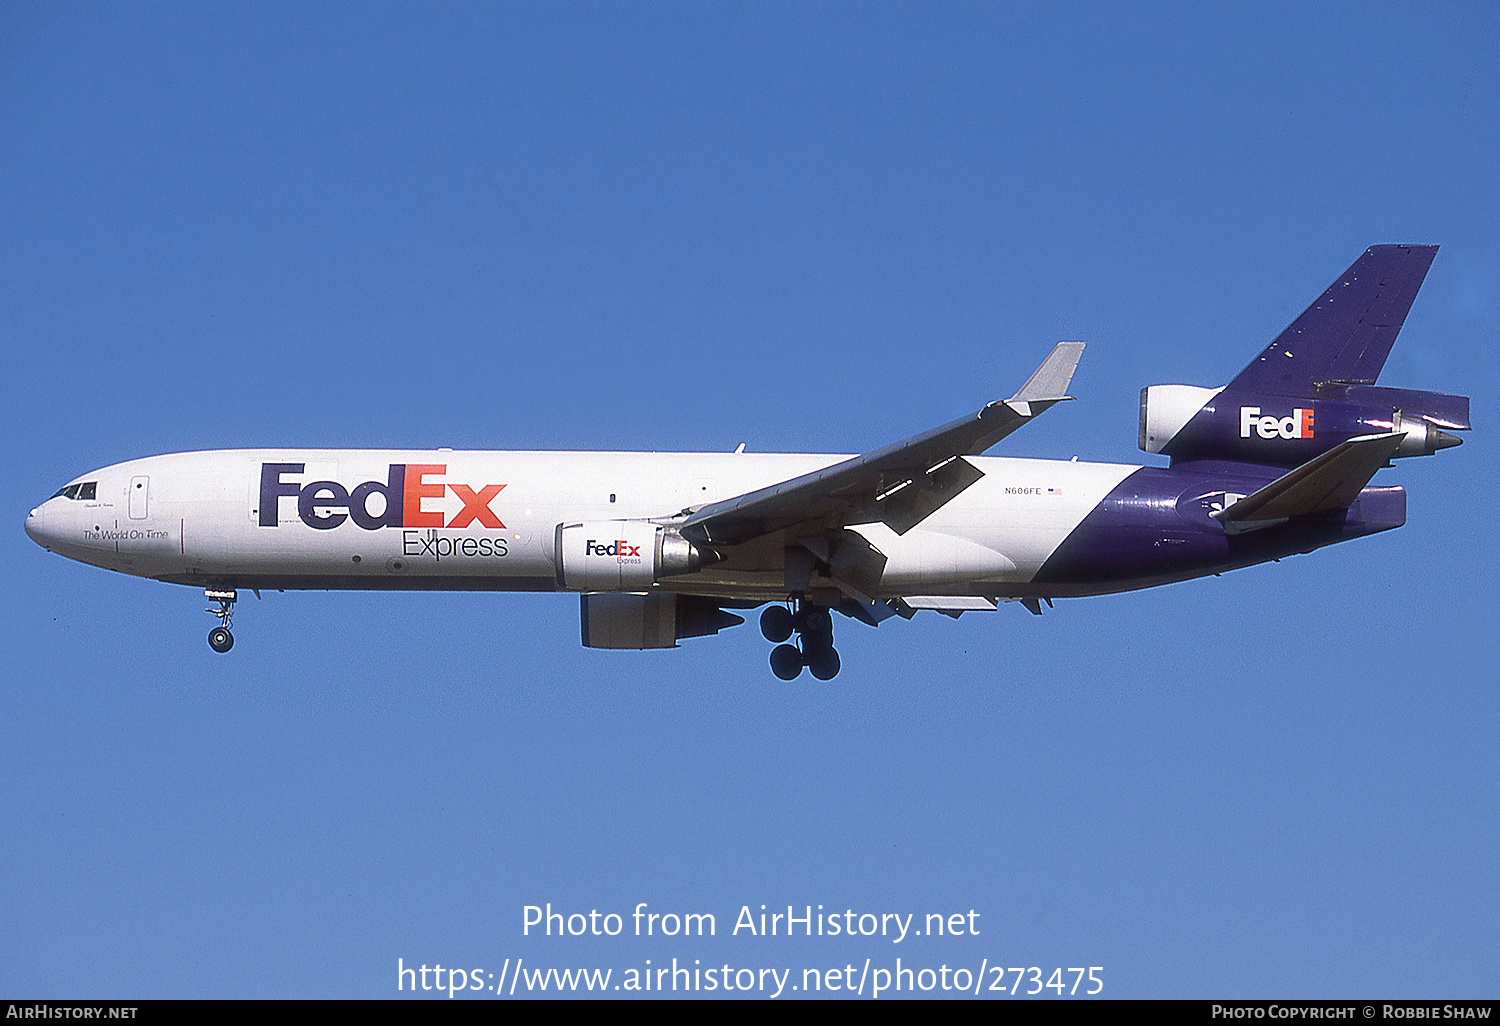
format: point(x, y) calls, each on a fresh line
point(1347, 333)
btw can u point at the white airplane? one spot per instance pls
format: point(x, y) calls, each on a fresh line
point(660, 546)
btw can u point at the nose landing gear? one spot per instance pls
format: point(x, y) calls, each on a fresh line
point(220, 639)
point(814, 649)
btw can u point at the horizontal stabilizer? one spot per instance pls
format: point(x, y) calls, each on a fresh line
point(1330, 482)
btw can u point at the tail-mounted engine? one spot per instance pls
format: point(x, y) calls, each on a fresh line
point(623, 555)
point(1190, 423)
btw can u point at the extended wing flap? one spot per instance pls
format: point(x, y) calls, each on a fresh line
point(917, 499)
point(900, 484)
point(1330, 482)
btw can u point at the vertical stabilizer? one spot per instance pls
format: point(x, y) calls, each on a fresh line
point(1348, 332)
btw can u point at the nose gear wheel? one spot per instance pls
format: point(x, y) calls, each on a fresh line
point(220, 639)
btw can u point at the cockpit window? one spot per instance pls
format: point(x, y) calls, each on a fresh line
point(82, 490)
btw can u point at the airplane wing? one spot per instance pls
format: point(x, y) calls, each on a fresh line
point(1332, 481)
point(899, 485)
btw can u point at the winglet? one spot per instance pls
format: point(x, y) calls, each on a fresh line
point(1050, 380)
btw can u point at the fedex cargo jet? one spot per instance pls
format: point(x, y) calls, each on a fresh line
point(664, 546)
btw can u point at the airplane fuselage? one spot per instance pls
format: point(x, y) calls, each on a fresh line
point(477, 520)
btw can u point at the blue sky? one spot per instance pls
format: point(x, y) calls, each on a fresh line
point(799, 226)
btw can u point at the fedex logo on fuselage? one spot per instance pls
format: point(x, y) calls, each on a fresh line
point(324, 505)
point(1298, 425)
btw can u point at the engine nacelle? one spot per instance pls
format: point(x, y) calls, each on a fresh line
point(1190, 423)
point(621, 555)
point(1166, 410)
point(655, 620)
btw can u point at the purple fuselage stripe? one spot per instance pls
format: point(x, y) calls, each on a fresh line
point(1156, 525)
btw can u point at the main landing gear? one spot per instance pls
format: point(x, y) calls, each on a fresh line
point(814, 649)
point(220, 639)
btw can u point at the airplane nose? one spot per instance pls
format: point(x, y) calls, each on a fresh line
point(39, 529)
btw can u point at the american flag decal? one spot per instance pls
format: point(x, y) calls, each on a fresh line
point(1054, 491)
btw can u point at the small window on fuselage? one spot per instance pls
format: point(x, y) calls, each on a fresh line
point(87, 490)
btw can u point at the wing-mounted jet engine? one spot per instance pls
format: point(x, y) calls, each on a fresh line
point(623, 555)
point(617, 565)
